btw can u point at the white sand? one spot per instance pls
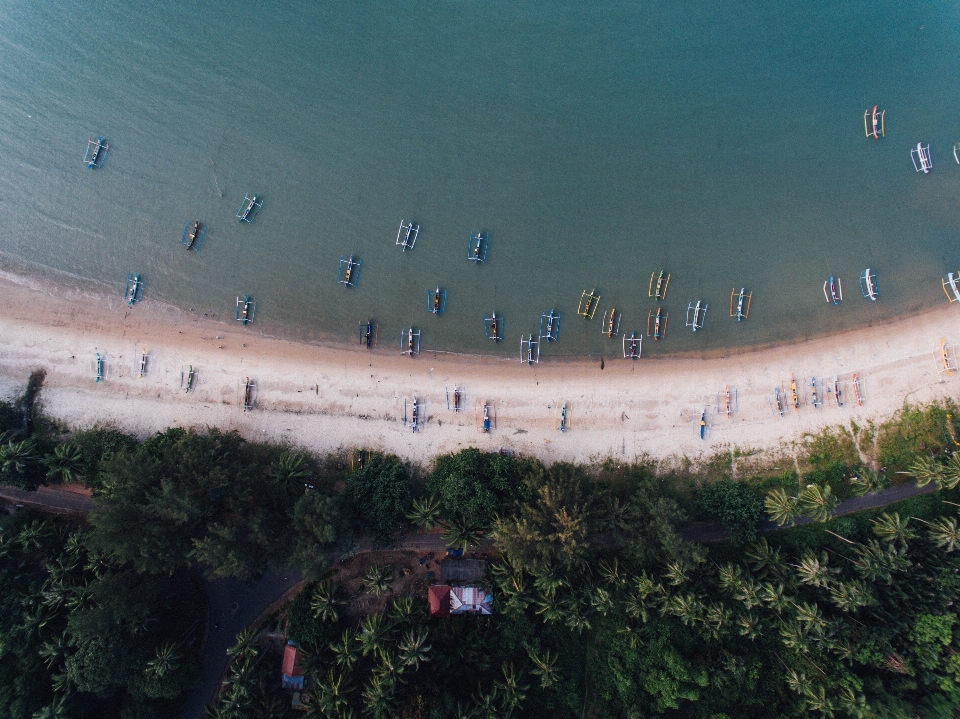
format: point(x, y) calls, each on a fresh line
point(329, 399)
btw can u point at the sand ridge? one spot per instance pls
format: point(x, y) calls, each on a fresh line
point(338, 398)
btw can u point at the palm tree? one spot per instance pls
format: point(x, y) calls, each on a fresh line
point(56, 709)
point(377, 697)
point(377, 579)
point(290, 466)
point(513, 691)
point(414, 649)
point(344, 651)
point(850, 595)
point(53, 651)
point(813, 570)
point(891, 528)
point(34, 534)
point(245, 646)
point(64, 463)
point(326, 602)
point(781, 507)
point(926, 470)
point(332, 693)
point(373, 633)
point(951, 473)
point(867, 481)
point(425, 512)
point(166, 660)
point(817, 502)
point(461, 533)
point(943, 532)
point(16, 457)
point(401, 610)
point(544, 667)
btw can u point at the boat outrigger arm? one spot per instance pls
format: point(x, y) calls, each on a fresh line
point(249, 208)
point(407, 235)
point(96, 151)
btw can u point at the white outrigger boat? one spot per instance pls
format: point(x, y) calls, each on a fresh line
point(410, 341)
point(407, 235)
point(99, 368)
point(921, 158)
point(529, 349)
point(248, 396)
point(493, 327)
point(873, 122)
point(659, 321)
point(141, 362)
point(632, 346)
point(742, 310)
point(868, 284)
point(549, 326)
point(486, 418)
point(96, 152)
point(563, 419)
point(611, 323)
point(950, 287)
point(696, 314)
point(246, 309)
point(416, 415)
point(662, 281)
point(458, 397)
point(249, 208)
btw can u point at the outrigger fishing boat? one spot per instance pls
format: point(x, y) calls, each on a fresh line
point(99, 368)
point(457, 399)
point(96, 152)
point(632, 346)
point(249, 394)
point(956, 149)
point(611, 323)
point(407, 235)
point(410, 341)
point(529, 349)
point(193, 234)
point(348, 271)
point(837, 391)
point(140, 363)
point(868, 284)
point(549, 325)
point(947, 358)
point(728, 399)
point(813, 389)
point(744, 298)
point(873, 122)
point(794, 397)
point(563, 420)
point(134, 289)
point(856, 390)
point(920, 156)
point(190, 377)
point(588, 304)
point(486, 417)
point(249, 208)
point(477, 248)
point(246, 309)
point(836, 290)
point(659, 323)
point(703, 424)
point(953, 293)
point(436, 301)
point(663, 281)
point(696, 314)
point(779, 400)
point(493, 327)
point(368, 333)
point(415, 415)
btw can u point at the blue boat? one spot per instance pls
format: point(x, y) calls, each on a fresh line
point(703, 424)
point(246, 309)
point(99, 368)
point(134, 290)
point(368, 333)
point(477, 248)
point(550, 326)
point(249, 208)
point(193, 234)
point(96, 152)
point(436, 301)
point(836, 290)
point(348, 272)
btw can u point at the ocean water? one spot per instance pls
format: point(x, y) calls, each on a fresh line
point(595, 143)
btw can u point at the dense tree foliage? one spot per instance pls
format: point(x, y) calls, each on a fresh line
point(738, 507)
point(82, 635)
point(381, 493)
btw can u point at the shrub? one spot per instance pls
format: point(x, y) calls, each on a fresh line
point(738, 508)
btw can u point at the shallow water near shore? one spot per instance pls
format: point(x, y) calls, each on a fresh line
point(596, 143)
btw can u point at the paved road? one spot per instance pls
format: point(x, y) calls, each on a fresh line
point(48, 498)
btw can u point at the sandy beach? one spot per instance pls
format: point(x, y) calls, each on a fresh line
point(338, 398)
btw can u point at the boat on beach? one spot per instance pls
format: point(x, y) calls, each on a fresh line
point(529, 349)
point(410, 342)
point(368, 333)
point(134, 289)
point(99, 368)
point(245, 309)
point(950, 287)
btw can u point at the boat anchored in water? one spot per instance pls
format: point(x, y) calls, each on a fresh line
point(493, 327)
point(246, 309)
point(249, 208)
point(921, 158)
point(134, 290)
point(407, 235)
point(529, 349)
point(96, 152)
point(436, 301)
point(549, 325)
point(193, 234)
point(632, 346)
point(742, 310)
point(477, 249)
point(873, 122)
point(662, 282)
point(696, 314)
point(868, 284)
point(348, 271)
point(836, 290)
point(368, 333)
point(659, 321)
point(410, 342)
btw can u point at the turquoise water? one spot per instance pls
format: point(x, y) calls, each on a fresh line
point(595, 142)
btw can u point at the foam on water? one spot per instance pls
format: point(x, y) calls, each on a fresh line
point(596, 142)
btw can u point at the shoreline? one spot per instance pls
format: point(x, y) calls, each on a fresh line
point(345, 397)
